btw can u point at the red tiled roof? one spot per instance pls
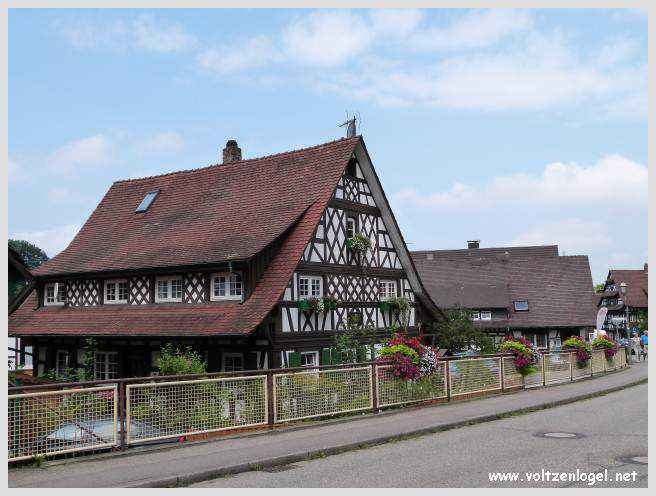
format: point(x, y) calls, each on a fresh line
point(559, 288)
point(212, 214)
point(204, 215)
point(636, 285)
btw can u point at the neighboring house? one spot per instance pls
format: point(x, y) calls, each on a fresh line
point(19, 286)
point(218, 258)
point(625, 295)
point(526, 291)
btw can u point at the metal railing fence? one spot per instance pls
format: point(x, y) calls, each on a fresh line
point(54, 419)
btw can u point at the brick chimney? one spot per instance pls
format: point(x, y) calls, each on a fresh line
point(231, 152)
point(473, 244)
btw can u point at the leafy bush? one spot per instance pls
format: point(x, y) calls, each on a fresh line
point(177, 361)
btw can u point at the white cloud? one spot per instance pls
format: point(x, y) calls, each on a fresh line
point(327, 39)
point(164, 142)
point(574, 236)
point(612, 179)
point(52, 241)
point(228, 60)
point(475, 29)
point(397, 23)
point(141, 33)
point(15, 172)
point(87, 152)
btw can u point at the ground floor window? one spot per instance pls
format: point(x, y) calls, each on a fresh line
point(309, 358)
point(232, 362)
point(105, 365)
point(538, 340)
point(63, 362)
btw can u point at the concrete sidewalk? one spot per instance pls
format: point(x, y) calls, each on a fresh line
point(189, 463)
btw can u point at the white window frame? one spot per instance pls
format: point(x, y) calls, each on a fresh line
point(227, 296)
point(386, 294)
point(314, 354)
point(486, 314)
point(56, 292)
point(105, 374)
point(231, 355)
point(352, 219)
point(310, 293)
point(169, 292)
point(476, 315)
point(67, 356)
point(528, 307)
point(116, 283)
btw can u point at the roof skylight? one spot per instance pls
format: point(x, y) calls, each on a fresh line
point(147, 201)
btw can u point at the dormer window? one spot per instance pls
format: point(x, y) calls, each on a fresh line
point(227, 286)
point(116, 291)
point(475, 315)
point(168, 289)
point(54, 294)
point(486, 315)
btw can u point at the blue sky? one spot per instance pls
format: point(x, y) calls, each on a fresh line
point(509, 126)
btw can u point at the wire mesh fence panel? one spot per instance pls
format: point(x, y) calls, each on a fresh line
point(394, 391)
point(536, 378)
point(580, 369)
point(613, 363)
point(557, 367)
point(621, 357)
point(64, 421)
point(473, 375)
point(598, 361)
point(170, 409)
point(316, 393)
point(511, 378)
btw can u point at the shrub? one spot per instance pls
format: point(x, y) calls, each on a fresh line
point(176, 361)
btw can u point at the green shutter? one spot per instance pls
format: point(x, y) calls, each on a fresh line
point(325, 356)
point(294, 359)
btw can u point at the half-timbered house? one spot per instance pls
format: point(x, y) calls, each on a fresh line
point(220, 258)
point(625, 295)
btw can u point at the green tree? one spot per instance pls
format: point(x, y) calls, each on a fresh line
point(32, 255)
point(599, 287)
point(457, 333)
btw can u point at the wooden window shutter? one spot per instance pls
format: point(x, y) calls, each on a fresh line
point(325, 356)
point(294, 359)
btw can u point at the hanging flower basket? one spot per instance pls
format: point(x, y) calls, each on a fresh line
point(409, 359)
point(609, 346)
point(526, 358)
point(583, 350)
point(359, 243)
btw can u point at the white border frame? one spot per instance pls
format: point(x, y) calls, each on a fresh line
point(213, 297)
point(116, 301)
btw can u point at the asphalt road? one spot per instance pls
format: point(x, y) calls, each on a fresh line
point(611, 429)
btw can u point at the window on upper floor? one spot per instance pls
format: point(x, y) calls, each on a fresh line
point(116, 291)
point(355, 317)
point(168, 289)
point(310, 287)
point(486, 315)
point(54, 294)
point(386, 289)
point(227, 286)
point(475, 315)
point(352, 168)
point(351, 227)
point(147, 201)
point(521, 305)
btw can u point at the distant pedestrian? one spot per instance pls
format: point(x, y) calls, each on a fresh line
point(644, 341)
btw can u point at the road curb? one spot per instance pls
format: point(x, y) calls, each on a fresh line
point(192, 478)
